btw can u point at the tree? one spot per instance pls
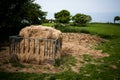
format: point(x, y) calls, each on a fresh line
point(14, 11)
point(81, 19)
point(15, 14)
point(33, 14)
point(116, 18)
point(63, 16)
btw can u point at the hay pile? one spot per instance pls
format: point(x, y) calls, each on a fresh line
point(38, 44)
point(40, 32)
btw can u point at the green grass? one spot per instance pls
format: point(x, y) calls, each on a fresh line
point(48, 24)
point(101, 29)
point(67, 75)
point(66, 61)
point(107, 68)
point(21, 76)
point(104, 30)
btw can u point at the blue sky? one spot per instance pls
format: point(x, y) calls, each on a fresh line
point(99, 10)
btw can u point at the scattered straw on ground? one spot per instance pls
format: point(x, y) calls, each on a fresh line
point(75, 44)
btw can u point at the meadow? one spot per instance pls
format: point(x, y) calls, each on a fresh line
point(108, 68)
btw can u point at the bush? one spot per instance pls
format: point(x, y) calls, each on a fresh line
point(81, 19)
point(63, 16)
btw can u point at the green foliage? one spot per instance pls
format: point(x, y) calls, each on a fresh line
point(63, 16)
point(81, 19)
point(60, 25)
point(67, 75)
point(57, 62)
point(48, 24)
point(33, 14)
point(21, 76)
point(69, 60)
point(66, 28)
point(66, 61)
point(116, 18)
point(87, 58)
point(16, 10)
point(16, 14)
point(17, 64)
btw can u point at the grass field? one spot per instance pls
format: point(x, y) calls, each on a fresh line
point(108, 68)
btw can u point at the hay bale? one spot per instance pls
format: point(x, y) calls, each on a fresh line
point(40, 32)
point(38, 44)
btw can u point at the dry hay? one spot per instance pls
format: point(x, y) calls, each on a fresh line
point(38, 44)
point(75, 44)
point(39, 31)
point(80, 43)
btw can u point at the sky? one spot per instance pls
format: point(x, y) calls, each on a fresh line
point(99, 10)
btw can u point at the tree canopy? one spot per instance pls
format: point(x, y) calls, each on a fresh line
point(63, 16)
point(14, 11)
point(116, 18)
point(81, 19)
point(15, 14)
